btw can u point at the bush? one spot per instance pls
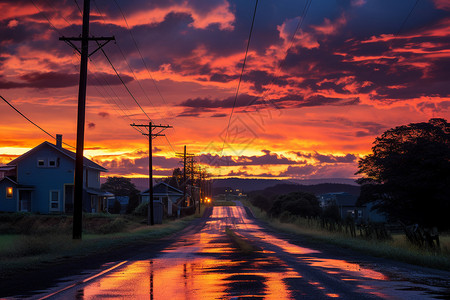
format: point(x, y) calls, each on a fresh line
point(35, 245)
point(262, 202)
point(116, 207)
point(132, 204)
point(118, 225)
point(331, 212)
point(297, 204)
point(141, 210)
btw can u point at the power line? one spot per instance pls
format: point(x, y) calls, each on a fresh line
point(139, 82)
point(123, 82)
point(43, 130)
point(53, 27)
point(135, 77)
point(299, 26)
point(140, 54)
point(108, 95)
point(406, 19)
point(79, 8)
point(48, 20)
point(170, 144)
point(113, 101)
point(242, 72)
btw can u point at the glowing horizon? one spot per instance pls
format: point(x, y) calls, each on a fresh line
point(311, 102)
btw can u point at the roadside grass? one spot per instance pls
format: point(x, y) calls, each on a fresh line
point(30, 251)
point(224, 203)
point(242, 244)
point(398, 248)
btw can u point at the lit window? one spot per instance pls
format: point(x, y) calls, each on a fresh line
point(9, 192)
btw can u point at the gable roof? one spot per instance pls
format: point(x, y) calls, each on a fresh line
point(341, 198)
point(86, 162)
point(7, 178)
point(163, 188)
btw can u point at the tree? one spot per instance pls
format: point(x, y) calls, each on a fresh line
point(260, 201)
point(297, 204)
point(408, 174)
point(121, 186)
point(176, 180)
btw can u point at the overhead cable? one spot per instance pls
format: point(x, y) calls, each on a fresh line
point(26, 118)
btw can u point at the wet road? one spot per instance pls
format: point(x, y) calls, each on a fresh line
point(205, 264)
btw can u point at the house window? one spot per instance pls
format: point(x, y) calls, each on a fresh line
point(52, 162)
point(9, 192)
point(41, 162)
point(54, 200)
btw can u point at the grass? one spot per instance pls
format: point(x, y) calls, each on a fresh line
point(224, 203)
point(242, 244)
point(397, 249)
point(24, 251)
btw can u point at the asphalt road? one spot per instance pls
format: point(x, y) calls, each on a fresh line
point(204, 263)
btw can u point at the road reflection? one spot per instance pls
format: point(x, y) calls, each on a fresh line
point(207, 265)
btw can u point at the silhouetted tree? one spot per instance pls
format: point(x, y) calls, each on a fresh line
point(297, 204)
point(121, 186)
point(331, 212)
point(176, 180)
point(116, 207)
point(262, 202)
point(408, 174)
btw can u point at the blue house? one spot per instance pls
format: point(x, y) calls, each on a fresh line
point(166, 194)
point(346, 204)
point(41, 181)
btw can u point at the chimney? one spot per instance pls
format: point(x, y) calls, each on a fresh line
point(59, 140)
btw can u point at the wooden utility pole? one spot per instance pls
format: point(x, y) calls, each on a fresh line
point(184, 155)
point(78, 180)
point(192, 171)
point(151, 136)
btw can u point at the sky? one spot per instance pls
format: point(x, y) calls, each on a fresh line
point(322, 80)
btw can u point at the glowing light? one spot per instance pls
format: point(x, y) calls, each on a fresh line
point(9, 192)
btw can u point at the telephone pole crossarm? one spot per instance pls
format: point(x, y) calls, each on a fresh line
point(105, 39)
point(151, 136)
point(81, 114)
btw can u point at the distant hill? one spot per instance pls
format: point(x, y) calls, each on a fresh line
point(249, 185)
point(316, 189)
point(246, 185)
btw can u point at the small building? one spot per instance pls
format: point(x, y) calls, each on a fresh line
point(42, 181)
point(345, 202)
point(166, 194)
point(123, 200)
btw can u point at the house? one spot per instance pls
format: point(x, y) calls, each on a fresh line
point(345, 202)
point(123, 200)
point(41, 181)
point(165, 194)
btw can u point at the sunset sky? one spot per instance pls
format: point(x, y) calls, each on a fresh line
point(322, 80)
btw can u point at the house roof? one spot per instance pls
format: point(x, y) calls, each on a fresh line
point(342, 198)
point(86, 162)
point(9, 179)
point(98, 192)
point(7, 168)
point(163, 188)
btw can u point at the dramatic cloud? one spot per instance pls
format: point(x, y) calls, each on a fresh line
point(267, 159)
point(103, 114)
point(317, 89)
point(57, 80)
